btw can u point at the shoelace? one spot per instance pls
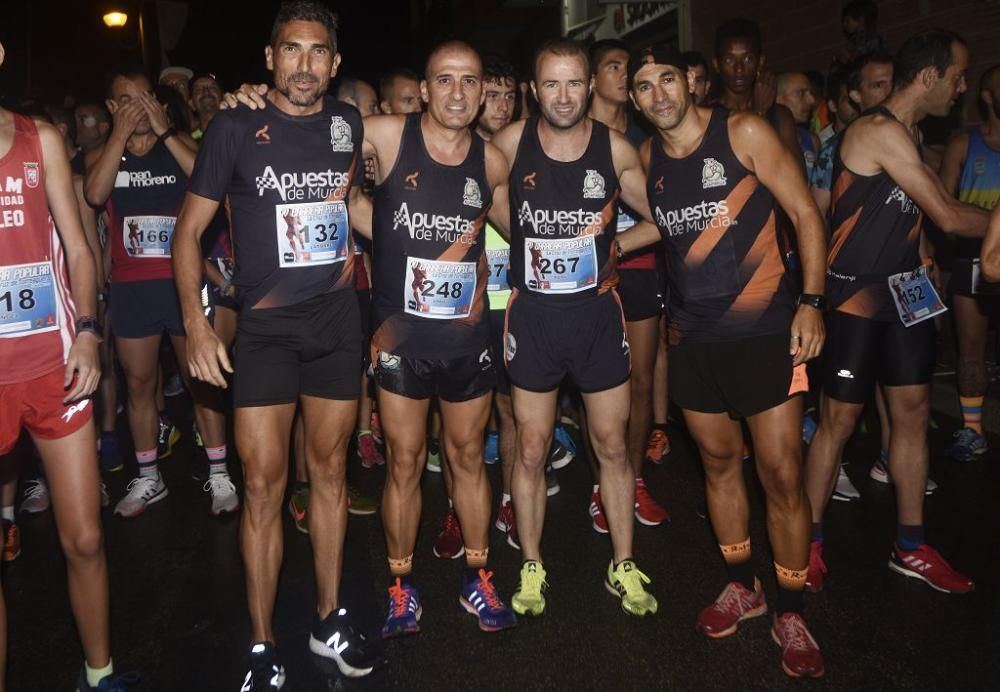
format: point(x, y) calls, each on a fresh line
point(659, 440)
point(489, 591)
point(219, 484)
point(400, 599)
point(141, 485)
point(633, 580)
point(35, 488)
point(533, 581)
point(796, 635)
point(730, 598)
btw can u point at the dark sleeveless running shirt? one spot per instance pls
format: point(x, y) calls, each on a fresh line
point(147, 196)
point(563, 218)
point(287, 179)
point(718, 223)
point(876, 233)
point(429, 269)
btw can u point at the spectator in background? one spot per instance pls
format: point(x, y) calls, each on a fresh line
point(93, 125)
point(179, 78)
point(795, 94)
point(820, 118)
point(177, 108)
point(206, 95)
point(400, 91)
point(359, 94)
point(859, 21)
point(697, 64)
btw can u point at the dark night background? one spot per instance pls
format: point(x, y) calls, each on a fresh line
point(61, 47)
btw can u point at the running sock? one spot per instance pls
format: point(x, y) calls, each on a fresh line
point(738, 567)
point(816, 532)
point(300, 486)
point(401, 567)
point(791, 583)
point(505, 499)
point(475, 559)
point(972, 412)
point(910, 537)
point(165, 418)
point(95, 675)
point(216, 460)
point(596, 489)
point(7, 513)
point(147, 463)
point(361, 433)
point(662, 427)
point(451, 505)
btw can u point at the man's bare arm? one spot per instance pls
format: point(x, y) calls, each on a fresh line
point(88, 219)
point(989, 256)
point(498, 178)
point(887, 145)
point(631, 175)
point(952, 162)
point(359, 211)
point(82, 364)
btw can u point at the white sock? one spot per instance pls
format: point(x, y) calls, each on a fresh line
point(7, 513)
point(505, 499)
point(95, 675)
point(597, 488)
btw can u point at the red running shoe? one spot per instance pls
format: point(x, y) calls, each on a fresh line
point(926, 564)
point(800, 656)
point(506, 523)
point(368, 451)
point(598, 521)
point(658, 446)
point(735, 604)
point(647, 510)
point(817, 568)
point(449, 544)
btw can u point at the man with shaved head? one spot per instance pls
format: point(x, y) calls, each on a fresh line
point(400, 91)
point(794, 94)
point(435, 182)
point(359, 94)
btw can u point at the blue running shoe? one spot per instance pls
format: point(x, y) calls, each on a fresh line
point(808, 428)
point(109, 683)
point(481, 599)
point(563, 438)
point(404, 611)
point(491, 451)
point(111, 457)
point(968, 445)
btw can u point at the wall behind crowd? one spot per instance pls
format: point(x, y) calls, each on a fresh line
point(806, 34)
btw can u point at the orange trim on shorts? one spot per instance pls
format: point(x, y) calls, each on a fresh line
point(800, 380)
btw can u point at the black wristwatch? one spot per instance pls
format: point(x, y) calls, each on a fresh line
point(813, 300)
point(167, 134)
point(88, 323)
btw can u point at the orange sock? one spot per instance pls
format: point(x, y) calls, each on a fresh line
point(972, 412)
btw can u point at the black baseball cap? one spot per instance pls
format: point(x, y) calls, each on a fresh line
point(656, 54)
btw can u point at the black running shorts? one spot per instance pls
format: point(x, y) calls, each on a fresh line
point(742, 378)
point(309, 349)
point(145, 308)
point(860, 352)
point(364, 313)
point(640, 293)
point(455, 380)
point(546, 341)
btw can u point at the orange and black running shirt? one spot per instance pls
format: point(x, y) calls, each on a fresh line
point(429, 269)
point(287, 179)
point(717, 221)
point(563, 217)
point(876, 233)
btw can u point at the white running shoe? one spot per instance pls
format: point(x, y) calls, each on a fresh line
point(844, 491)
point(224, 497)
point(880, 473)
point(36, 497)
point(142, 491)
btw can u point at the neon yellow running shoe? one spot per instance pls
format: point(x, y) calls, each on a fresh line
point(528, 599)
point(626, 582)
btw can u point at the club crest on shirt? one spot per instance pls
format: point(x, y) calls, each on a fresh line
point(471, 196)
point(713, 174)
point(340, 134)
point(31, 173)
point(593, 185)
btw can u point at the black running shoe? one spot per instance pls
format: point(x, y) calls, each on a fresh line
point(266, 673)
point(335, 638)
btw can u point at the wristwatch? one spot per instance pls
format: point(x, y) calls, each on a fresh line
point(167, 134)
point(813, 300)
point(88, 323)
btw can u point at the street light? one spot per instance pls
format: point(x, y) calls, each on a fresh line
point(115, 19)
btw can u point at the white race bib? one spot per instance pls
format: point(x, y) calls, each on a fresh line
point(560, 265)
point(27, 299)
point(915, 296)
point(148, 237)
point(312, 233)
point(439, 290)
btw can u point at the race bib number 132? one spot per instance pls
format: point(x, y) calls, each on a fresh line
point(312, 233)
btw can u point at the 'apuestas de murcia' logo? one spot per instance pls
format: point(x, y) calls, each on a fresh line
point(302, 184)
point(424, 226)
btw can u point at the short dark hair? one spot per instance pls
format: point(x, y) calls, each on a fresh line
point(835, 81)
point(496, 69)
point(737, 28)
point(854, 68)
point(103, 115)
point(695, 59)
point(62, 116)
point(598, 49)
point(202, 75)
point(564, 47)
point(305, 11)
point(126, 70)
point(927, 49)
point(864, 11)
point(392, 75)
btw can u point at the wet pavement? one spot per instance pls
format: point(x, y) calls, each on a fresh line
point(179, 614)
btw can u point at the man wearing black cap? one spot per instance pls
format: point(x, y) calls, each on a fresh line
point(739, 338)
